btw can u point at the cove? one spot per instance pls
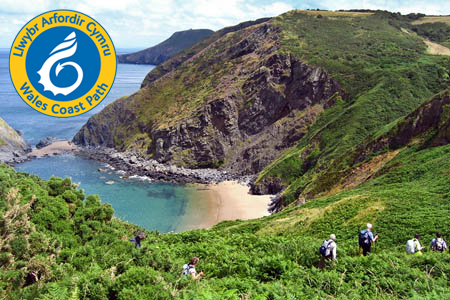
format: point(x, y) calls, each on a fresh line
point(152, 205)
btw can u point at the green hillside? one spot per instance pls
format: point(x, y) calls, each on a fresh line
point(80, 252)
point(77, 249)
point(386, 74)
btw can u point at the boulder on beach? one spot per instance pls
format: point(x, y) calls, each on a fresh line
point(45, 142)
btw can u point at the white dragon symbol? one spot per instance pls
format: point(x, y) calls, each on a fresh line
point(70, 47)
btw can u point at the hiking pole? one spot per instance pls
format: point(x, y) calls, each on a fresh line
point(359, 246)
point(375, 244)
point(445, 242)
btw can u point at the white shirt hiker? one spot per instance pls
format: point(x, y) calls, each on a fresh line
point(438, 241)
point(333, 249)
point(189, 269)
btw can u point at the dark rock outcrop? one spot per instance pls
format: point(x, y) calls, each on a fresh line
point(247, 133)
point(45, 142)
point(163, 51)
point(268, 185)
point(131, 164)
point(430, 123)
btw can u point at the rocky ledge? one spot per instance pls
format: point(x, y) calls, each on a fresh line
point(133, 164)
point(13, 148)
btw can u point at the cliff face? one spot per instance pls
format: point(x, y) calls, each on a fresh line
point(428, 125)
point(260, 103)
point(243, 132)
point(11, 143)
point(241, 97)
point(160, 53)
point(422, 130)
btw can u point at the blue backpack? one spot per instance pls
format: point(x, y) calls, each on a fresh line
point(324, 250)
point(364, 239)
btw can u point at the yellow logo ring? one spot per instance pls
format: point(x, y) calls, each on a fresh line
point(30, 94)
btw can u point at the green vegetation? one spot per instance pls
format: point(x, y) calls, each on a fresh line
point(432, 19)
point(385, 73)
point(352, 166)
point(437, 32)
point(80, 252)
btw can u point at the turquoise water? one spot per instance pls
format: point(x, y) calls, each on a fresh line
point(153, 205)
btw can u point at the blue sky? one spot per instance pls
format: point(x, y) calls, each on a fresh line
point(143, 23)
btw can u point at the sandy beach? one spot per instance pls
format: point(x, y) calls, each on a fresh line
point(228, 200)
point(53, 149)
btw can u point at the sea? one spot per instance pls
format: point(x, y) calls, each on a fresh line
point(153, 205)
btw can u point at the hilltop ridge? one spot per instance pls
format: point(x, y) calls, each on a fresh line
point(158, 54)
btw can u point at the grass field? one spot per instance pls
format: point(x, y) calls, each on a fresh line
point(424, 20)
point(331, 13)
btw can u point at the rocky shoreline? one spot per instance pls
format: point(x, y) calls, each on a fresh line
point(133, 164)
point(14, 158)
point(55, 147)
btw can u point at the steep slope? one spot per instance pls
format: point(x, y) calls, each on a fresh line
point(383, 84)
point(240, 100)
point(377, 151)
point(236, 104)
point(426, 127)
point(185, 55)
point(436, 29)
point(163, 51)
point(11, 143)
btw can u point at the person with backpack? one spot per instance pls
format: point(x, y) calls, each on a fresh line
point(328, 250)
point(438, 243)
point(190, 269)
point(413, 246)
point(137, 239)
point(366, 239)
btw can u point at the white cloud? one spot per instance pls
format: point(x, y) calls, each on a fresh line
point(143, 23)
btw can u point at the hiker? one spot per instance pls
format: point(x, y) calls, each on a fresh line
point(438, 243)
point(413, 246)
point(190, 269)
point(138, 238)
point(366, 239)
point(328, 250)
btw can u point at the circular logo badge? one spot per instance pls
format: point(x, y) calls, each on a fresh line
point(62, 63)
